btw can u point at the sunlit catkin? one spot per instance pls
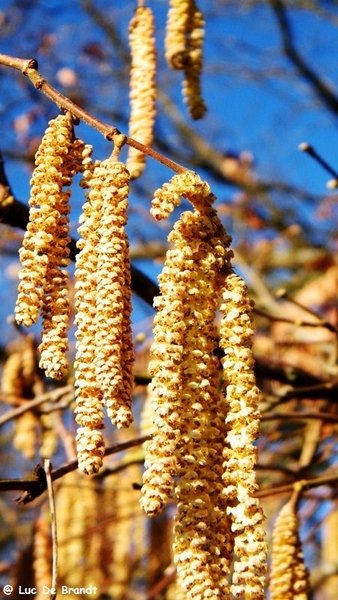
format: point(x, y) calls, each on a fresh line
point(289, 578)
point(187, 185)
point(184, 50)
point(243, 417)
point(177, 32)
point(88, 394)
point(193, 65)
point(188, 414)
point(55, 305)
point(142, 86)
point(44, 219)
point(113, 338)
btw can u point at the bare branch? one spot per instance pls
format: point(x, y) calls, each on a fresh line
point(322, 90)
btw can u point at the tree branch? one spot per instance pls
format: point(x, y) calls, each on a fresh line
point(322, 90)
point(36, 484)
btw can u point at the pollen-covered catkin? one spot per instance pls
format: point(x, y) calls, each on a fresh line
point(176, 32)
point(289, 578)
point(142, 86)
point(193, 66)
point(88, 395)
point(184, 50)
point(187, 415)
point(114, 347)
point(187, 185)
point(55, 308)
point(46, 187)
point(243, 418)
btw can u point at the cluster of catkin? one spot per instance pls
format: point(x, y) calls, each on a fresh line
point(104, 356)
point(202, 448)
point(183, 51)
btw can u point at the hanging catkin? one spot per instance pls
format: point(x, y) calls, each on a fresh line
point(104, 358)
point(114, 348)
point(88, 394)
point(55, 307)
point(240, 455)
point(184, 50)
point(193, 66)
point(46, 202)
point(142, 86)
point(289, 578)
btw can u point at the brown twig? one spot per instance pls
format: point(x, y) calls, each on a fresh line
point(36, 484)
point(306, 484)
point(29, 67)
point(298, 322)
point(51, 498)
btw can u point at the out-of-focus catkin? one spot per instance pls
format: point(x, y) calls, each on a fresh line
point(142, 86)
point(177, 31)
point(289, 578)
point(192, 92)
point(184, 50)
point(243, 417)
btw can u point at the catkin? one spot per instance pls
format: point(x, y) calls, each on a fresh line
point(187, 185)
point(88, 394)
point(104, 358)
point(142, 86)
point(242, 398)
point(114, 355)
point(289, 578)
point(193, 66)
point(184, 50)
point(188, 416)
point(55, 309)
point(176, 32)
point(41, 234)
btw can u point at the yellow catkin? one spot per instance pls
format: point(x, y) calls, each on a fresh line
point(42, 551)
point(242, 398)
point(88, 395)
point(142, 86)
point(184, 50)
point(114, 348)
point(46, 188)
point(26, 434)
point(55, 309)
point(187, 185)
point(176, 32)
point(77, 513)
point(289, 578)
point(188, 414)
point(193, 65)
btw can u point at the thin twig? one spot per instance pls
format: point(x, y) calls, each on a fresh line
point(297, 322)
point(29, 67)
point(306, 484)
point(292, 414)
point(30, 404)
point(36, 484)
point(51, 498)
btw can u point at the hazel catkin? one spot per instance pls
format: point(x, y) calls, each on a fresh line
point(142, 86)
